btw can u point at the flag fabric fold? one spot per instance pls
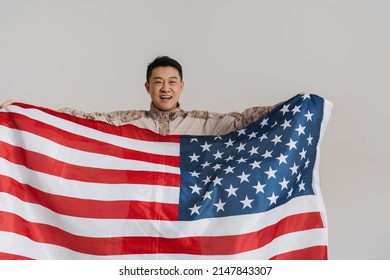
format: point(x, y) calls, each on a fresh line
point(72, 188)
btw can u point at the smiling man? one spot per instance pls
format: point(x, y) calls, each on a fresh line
point(164, 83)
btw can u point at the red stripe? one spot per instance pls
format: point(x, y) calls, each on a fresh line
point(310, 253)
point(7, 256)
point(126, 130)
point(88, 208)
point(258, 239)
point(202, 245)
point(79, 142)
point(48, 165)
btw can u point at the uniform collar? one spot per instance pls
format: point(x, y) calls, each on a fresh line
point(157, 113)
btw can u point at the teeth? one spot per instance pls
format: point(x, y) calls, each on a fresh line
point(166, 97)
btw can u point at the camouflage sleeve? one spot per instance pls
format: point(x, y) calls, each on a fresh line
point(111, 118)
point(116, 117)
point(251, 115)
point(221, 124)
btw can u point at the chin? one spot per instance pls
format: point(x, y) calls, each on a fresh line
point(164, 107)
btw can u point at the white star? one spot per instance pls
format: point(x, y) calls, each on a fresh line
point(195, 189)
point(267, 154)
point(229, 169)
point(217, 181)
point(286, 124)
point(241, 147)
point(229, 158)
point(254, 150)
point(290, 193)
point(194, 157)
point(244, 177)
point(229, 143)
point(300, 129)
point(282, 158)
point(264, 122)
point(218, 137)
point(285, 109)
point(252, 135)
point(207, 180)
point(306, 95)
point(241, 160)
point(216, 167)
point(231, 191)
point(302, 186)
point(241, 131)
point(195, 174)
point(277, 139)
point(292, 144)
point(299, 176)
point(206, 147)
point(284, 183)
point(303, 153)
point(272, 199)
point(195, 209)
point(259, 187)
point(309, 139)
point(246, 202)
point(207, 195)
point(294, 169)
point(275, 123)
point(220, 205)
point(308, 116)
point(264, 136)
point(218, 154)
point(205, 164)
point(296, 109)
point(194, 140)
point(255, 164)
point(307, 163)
point(271, 173)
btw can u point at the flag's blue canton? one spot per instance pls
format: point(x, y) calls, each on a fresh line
point(255, 169)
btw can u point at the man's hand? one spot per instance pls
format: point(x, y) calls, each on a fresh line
point(6, 103)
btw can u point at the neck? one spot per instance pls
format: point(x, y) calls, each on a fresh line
point(154, 107)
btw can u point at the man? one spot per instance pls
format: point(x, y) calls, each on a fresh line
point(164, 83)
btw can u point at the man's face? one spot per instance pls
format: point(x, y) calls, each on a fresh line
point(164, 87)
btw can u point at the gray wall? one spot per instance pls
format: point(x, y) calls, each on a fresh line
point(92, 55)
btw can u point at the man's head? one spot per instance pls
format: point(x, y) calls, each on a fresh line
point(164, 82)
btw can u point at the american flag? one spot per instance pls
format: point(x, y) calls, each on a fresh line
point(73, 188)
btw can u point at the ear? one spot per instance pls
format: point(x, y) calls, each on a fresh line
point(147, 87)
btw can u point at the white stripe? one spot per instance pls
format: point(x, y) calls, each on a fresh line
point(84, 190)
point(171, 229)
point(23, 246)
point(54, 150)
point(20, 245)
point(144, 146)
point(327, 110)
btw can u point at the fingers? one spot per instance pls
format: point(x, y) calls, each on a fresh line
point(6, 103)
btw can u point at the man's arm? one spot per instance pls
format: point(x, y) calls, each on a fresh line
point(220, 124)
point(251, 115)
point(235, 121)
point(111, 118)
point(6, 103)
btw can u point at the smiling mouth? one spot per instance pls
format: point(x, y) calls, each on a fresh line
point(165, 97)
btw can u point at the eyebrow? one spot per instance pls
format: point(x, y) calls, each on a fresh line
point(172, 77)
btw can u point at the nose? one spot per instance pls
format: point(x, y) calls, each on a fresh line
point(165, 87)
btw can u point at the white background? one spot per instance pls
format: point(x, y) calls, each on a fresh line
point(92, 55)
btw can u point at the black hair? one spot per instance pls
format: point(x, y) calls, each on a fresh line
point(163, 61)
